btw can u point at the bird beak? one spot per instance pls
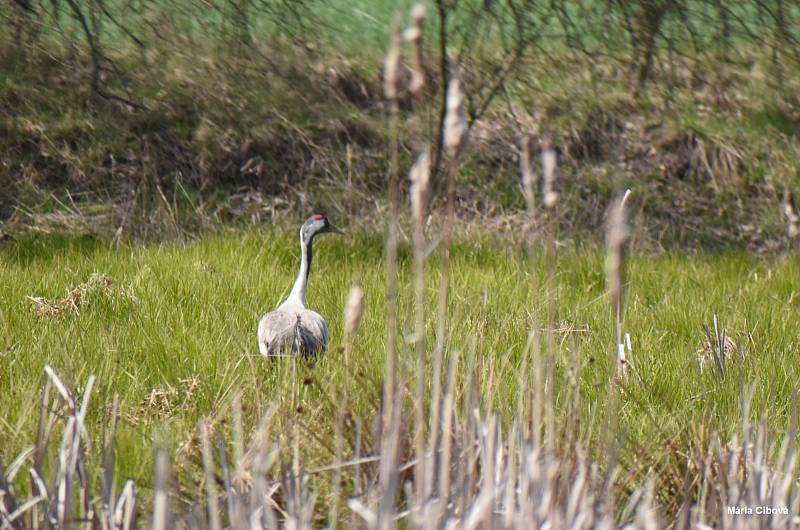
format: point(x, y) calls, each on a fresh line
point(333, 229)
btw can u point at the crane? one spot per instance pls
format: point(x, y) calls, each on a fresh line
point(292, 328)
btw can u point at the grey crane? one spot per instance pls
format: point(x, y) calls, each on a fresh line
point(292, 328)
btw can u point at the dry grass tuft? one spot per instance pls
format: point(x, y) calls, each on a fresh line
point(708, 350)
point(163, 402)
point(717, 349)
point(97, 286)
point(95, 219)
point(790, 212)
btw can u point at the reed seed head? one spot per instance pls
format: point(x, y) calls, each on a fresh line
point(391, 69)
point(549, 193)
point(528, 176)
point(418, 13)
point(413, 35)
point(455, 122)
point(353, 310)
point(420, 177)
point(617, 235)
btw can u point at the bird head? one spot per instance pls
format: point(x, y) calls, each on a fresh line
point(315, 225)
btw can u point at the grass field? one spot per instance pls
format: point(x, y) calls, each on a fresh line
point(170, 330)
point(172, 156)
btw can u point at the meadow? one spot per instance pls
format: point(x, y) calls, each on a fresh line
point(169, 331)
point(159, 157)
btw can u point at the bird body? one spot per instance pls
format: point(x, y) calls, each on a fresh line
point(290, 329)
point(293, 329)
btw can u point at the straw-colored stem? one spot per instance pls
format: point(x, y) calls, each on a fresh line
point(390, 374)
point(616, 239)
point(447, 428)
point(214, 522)
point(550, 354)
point(447, 236)
point(419, 334)
point(538, 383)
point(390, 406)
point(530, 392)
point(389, 473)
point(338, 459)
point(455, 135)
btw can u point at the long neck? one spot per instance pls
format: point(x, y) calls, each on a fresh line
point(298, 293)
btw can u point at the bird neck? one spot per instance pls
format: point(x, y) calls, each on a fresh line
point(298, 293)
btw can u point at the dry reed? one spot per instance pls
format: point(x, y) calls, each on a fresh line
point(455, 123)
point(528, 176)
point(391, 406)
point(413, 35)
point(617, 236)
point(487, 478)
point(419, 177)
point(353, 310)
point(549, 193)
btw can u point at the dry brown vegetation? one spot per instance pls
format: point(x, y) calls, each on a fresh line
point(154, 133)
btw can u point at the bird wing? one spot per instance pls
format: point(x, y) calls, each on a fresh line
point(315, 325)
point(292, 330)
point(275, 332)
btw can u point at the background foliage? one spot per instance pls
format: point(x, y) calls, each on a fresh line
point(135, 118)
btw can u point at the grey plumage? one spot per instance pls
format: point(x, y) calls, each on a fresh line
point(293, 329)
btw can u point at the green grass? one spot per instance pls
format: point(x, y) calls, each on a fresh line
point(177, 311)
point(362, 27)
point(174, 337)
